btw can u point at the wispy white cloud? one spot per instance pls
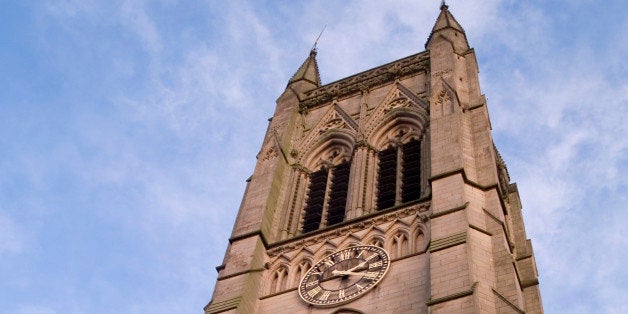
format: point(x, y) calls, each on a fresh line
point(12, 238)
point(133, 15)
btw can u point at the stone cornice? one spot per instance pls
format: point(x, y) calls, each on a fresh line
point(361, 223)
point(226, 305)
point(366, 80)
point(447, 242)
point(457, 295)
point(240, 273)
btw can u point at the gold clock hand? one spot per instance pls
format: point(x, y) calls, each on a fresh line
point(346, 272)
point(356, 267)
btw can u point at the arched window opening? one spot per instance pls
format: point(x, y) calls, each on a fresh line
point(315, 200)
point(278, 280)
point(338, 194)
point(420, 242)
point(387, 174)
point(302, 268)
point(399, 174)
point(377, 242)
point(327, 197)
point(399, 245)
point(411, 174)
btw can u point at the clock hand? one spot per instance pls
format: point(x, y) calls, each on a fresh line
point(359, 265)
point(346, 272)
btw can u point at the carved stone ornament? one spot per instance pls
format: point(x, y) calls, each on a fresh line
point(443, 97)
point(422, 211)
point(400, 102)
point(336, 123)
point(405, 67)
point(270, 153)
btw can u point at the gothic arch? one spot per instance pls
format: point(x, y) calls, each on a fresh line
point(376, 240)
point(351, 239)
point(279, 260)
point(300, 269)
point(444, 100)
point(399, 244)
point(420, 238)
point(324, 253)
point(399, 106)
point(401, 159)
point(335, 122)
point(328, 183)
point(278, 279)
point(334, 148)
point(399, 126)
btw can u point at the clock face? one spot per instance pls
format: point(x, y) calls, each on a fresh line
point(344, 275)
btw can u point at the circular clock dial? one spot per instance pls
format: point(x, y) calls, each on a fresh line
point(344, 275)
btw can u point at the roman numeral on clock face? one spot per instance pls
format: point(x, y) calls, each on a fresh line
point(376, 264)
point(325, 295)
point(345, 255)
point(314, 291)
point(371, 275)
point(371, 257)
point(329, 263)
point(311, 283)
point(341, 293)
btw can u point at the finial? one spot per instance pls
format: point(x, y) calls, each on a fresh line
point(443, 5)
point(313, 51)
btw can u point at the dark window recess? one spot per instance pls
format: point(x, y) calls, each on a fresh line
point(387, 174)
point(315, 200)
point(411, 172)
point(338, 194)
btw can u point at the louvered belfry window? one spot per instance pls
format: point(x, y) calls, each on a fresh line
point(387, 178)
point(399, 175)
point(338, 194)
point(411, 174)
point(327, 197)
point(315, 200)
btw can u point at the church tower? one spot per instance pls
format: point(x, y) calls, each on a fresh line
point(382, 192)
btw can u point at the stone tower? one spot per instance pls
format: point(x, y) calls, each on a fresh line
point(399, 157)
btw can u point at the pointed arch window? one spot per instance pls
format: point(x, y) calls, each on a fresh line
point(327, 197)
point(302, 268)
point(399, 245)
point(377, 242)
point(278, 280)
point(399, 174)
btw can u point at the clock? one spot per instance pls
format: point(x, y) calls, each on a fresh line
point(344, 276)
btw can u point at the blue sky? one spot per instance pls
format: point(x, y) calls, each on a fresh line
point(128, 128)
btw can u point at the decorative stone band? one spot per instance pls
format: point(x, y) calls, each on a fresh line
point(363, 81)
point(422, 210)
point(446, 242)
point(449, 211)
point(529, 283)
point(453, 296)
point(240, 273)
point(230, 304)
